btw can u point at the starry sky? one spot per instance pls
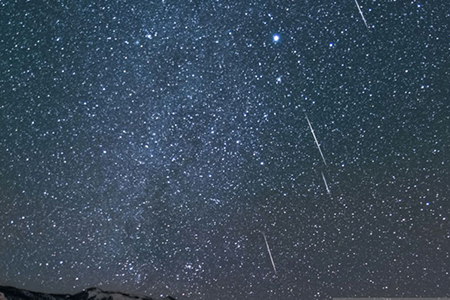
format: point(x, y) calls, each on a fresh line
point(153, 147)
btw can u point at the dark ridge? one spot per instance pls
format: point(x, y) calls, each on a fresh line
point(12, 293)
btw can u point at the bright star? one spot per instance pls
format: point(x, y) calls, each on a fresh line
point(276, 38)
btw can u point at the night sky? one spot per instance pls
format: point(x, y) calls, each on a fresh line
point(151, 146)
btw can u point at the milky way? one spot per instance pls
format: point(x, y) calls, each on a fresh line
point(146, 145)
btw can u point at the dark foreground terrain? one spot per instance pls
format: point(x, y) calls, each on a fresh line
point(11, 293)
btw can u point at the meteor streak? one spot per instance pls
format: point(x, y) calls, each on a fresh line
point(326, 184)
point(270, 253)
point(315, 139)
point(361, 13)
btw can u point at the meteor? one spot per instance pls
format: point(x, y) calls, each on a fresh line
point(361, 13)
point(315, 139)
point(326, 184)
point(270, 253)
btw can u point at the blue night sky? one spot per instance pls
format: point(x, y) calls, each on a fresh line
point(226, 149)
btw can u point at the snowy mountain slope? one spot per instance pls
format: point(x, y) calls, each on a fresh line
point(98, 294)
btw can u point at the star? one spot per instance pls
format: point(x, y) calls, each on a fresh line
point(276, 38)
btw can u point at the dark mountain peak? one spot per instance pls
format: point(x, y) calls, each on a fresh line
point(12, 293)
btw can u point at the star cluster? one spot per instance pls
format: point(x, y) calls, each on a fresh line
point(154, 147)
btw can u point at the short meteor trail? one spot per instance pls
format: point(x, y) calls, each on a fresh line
point(315, 139)
point(326, 184)
point(270, 253)
point(361, 13)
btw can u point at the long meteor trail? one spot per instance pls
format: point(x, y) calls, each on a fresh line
point(361, 13)
point(315, 139)
point(270, 253)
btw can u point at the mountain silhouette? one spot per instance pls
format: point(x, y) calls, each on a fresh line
point(12, 293)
